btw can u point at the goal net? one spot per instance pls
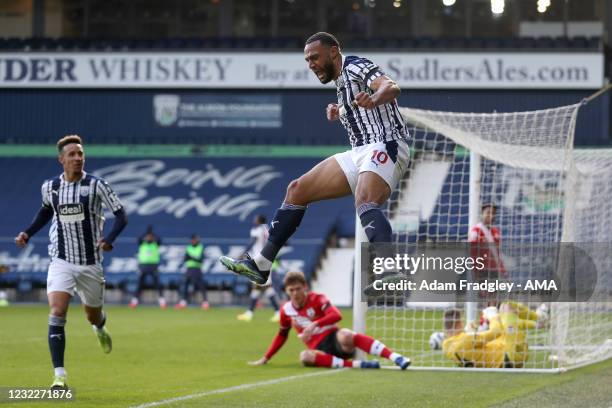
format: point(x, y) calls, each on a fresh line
point(544, 191)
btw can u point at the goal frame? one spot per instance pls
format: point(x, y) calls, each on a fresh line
point(360, 307)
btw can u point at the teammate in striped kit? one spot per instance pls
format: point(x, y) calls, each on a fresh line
point(73, 201)
point(315, 320)
point(368, 110)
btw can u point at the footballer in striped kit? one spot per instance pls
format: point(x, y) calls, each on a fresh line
point(73, 202)
point(367, 108)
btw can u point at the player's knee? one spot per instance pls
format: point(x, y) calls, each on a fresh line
point(345, 337)
point(372, 192)
point(307, 358)
point(58, 310)
point(292, 190)
point(362, 196)
point(296, 193)
point(367, 197)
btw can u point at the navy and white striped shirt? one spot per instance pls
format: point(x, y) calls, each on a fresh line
point(381, 124)
point(78, 217)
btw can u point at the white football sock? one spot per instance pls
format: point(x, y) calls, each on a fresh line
point(262, 263)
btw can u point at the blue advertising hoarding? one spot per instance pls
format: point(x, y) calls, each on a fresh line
point(216, 198)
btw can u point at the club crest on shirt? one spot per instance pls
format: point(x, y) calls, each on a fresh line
point(310, 312)
point(84, 191)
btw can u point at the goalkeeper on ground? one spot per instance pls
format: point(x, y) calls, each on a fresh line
point(502, 345)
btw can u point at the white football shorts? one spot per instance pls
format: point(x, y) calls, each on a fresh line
point(86, 280)
point(387, 159)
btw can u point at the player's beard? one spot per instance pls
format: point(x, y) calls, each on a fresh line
point(328, 70)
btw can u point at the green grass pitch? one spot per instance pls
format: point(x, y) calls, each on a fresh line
point(164, 354)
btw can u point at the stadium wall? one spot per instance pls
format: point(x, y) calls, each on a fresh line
point(283, 117)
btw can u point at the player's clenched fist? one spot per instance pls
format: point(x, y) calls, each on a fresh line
point(104, 245)
point(21, 240)
point(364, 100)
point(333, 112)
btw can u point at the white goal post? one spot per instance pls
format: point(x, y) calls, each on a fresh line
point(545, 191)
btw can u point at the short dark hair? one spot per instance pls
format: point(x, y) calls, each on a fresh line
point(294, 277)
point(488, 205)
point(325, 38)
point(66, 140)
point(261, 218)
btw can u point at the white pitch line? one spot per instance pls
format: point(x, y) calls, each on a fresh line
point(236, 388)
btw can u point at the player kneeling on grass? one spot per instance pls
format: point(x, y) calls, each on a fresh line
point(314, 319)
point(502, 345)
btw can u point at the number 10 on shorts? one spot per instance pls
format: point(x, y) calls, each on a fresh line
point(379, 156)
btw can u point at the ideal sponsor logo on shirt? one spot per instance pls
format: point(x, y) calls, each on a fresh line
point(71, 212)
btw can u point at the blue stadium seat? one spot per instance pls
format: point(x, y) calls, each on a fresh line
point(9, 279)
point(475, 43)
point(563, 43)
point(25, 286)
point(225, 43)
point(15, 43)
point(171, 280)
point(119, 280)
point(286, 43)
point(595, 43)
point(242, 287)
point(66, 44)
point(220, 281)
point(579, 42)
point(492, 43)
point(407, 43)
point(194, 43)
point(376, 43)
point(392, 43)
point(425, 43)
point(359, 43)
point(545, 42)
point(451, 43)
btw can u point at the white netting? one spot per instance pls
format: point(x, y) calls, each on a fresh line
point(545, 192)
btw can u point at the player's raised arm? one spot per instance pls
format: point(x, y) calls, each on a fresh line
point(385, 91)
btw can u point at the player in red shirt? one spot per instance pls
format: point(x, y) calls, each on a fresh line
point(485, 239)
point(315, 320)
